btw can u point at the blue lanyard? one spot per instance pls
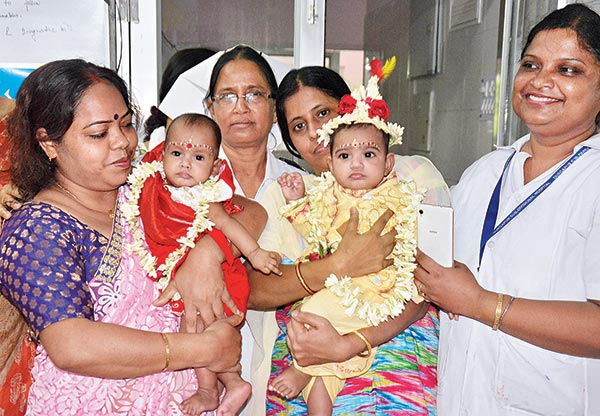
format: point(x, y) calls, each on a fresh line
point(489, 228)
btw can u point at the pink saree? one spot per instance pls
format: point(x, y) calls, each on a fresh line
point(123, 295)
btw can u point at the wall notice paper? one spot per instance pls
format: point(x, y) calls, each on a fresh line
point(38, 31)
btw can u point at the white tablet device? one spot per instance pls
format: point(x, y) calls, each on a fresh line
point(435, 236)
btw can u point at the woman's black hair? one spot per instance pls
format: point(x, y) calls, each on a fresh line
point(243, 52)
point(324, 79)
point(580, 19)
point(48, 99)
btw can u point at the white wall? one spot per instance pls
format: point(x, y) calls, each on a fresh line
point(458, 135)
point(140, 54)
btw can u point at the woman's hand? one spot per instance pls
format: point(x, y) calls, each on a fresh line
point(199, 280)
point(100, 349)
point(311, 337)
point(201, 285)
point(227, 342)
point(454, 289)
point(357, 255)
point(9, 196)
point(361, 254)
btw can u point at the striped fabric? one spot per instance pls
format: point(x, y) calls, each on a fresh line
point(402, 380)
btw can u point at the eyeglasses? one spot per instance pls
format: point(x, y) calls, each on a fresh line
point(252, 98)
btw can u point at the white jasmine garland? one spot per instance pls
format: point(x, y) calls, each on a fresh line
point(351, 295)
point(131, 212)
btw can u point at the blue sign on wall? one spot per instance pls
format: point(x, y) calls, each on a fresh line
point(11, 79)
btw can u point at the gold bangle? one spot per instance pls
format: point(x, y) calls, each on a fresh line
point(167, 352)
point(498, 312)
point(510, 301)
point(301, 279)
point(367, 352)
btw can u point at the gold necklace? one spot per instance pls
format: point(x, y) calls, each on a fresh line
point(111, 212)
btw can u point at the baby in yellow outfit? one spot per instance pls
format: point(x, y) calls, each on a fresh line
point(362, 176)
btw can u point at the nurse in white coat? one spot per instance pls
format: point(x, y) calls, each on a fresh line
point(527, 226)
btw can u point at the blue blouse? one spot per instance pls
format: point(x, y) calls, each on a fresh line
point(47, 258)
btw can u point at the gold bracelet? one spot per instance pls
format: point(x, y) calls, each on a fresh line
point(301, 279)
point(367, 352)
point(498, 312)
point(510, 301)
point(167, 352)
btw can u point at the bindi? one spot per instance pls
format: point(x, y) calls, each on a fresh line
point(190, 145)
point(116, 116)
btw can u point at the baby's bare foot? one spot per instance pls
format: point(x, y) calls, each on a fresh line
point(237, 392)
point(204, 400)
point(290, 383)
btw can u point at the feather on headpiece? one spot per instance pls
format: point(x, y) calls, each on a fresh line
point(365, 106)
point(382, 71)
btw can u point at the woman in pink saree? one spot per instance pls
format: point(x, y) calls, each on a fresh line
point(65, 263)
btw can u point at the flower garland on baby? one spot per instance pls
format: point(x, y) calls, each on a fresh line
point(366, 105)
point(403, 253)
point(131, 212)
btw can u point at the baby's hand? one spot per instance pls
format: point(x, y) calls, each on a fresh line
point(292, 186)
point(265, 261)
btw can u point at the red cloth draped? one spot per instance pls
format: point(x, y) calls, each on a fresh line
point(166, 220)
point(4, 165)
point(14, 387)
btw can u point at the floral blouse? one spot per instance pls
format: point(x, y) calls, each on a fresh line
point(36, 239)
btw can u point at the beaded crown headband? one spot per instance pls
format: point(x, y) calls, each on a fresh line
point(365, 106)
point(190, 145)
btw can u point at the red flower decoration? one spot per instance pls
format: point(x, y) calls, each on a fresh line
point(376, 68)
point(379, 108)
point(316, 256)
point(347, 105)
point(313, 257)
